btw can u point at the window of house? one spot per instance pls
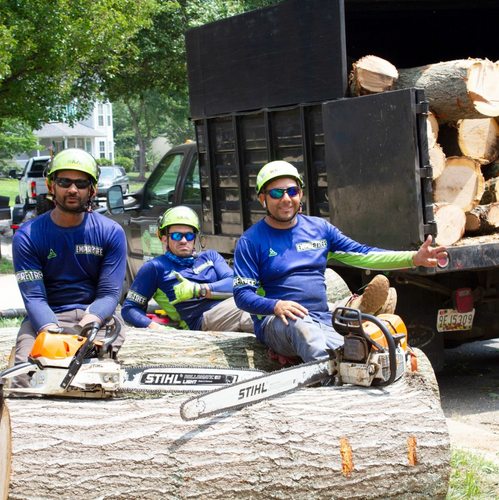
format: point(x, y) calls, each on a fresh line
point(102, 149)
point(100, 114)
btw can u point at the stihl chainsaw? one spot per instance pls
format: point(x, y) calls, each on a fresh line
point(375, 352)
point(80, 366)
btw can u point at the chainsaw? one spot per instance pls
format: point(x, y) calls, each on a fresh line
point(374, 352)
point(81, 366)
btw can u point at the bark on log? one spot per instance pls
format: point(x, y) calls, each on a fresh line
point(461, 183)
point(336, 288)
point(456, 89)
point(483, 219)
point(437, 160)
point(371, 75)
point(451, 223)
point(477, 139)
point(314, 443)
point(490, 192)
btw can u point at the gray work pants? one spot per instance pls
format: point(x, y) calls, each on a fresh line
point(226, 317)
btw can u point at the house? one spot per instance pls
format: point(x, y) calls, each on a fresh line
point(94, 134)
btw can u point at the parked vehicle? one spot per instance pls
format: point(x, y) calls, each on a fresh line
point(364, 159)
point(112, 176)
point(32, 198)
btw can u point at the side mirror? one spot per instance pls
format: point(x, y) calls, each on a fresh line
point(13, 174)
point(115, 203)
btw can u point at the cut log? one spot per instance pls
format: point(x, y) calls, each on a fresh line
point(490, 192)
point(437, 160)
point(461, 183)
point(5, 450)
point(456, 89)
point(451, 223)
point(483, 219)
point(432, 129)
point(477, 139)
point(371, 75)
point(347, 442)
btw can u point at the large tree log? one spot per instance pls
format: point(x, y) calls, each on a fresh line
point(456, 89)
point(437, 160)
point(461, 183)
point(432, 129)
point(451, 223)
point(371, 75)
point(483, 219)
point(314, 443)
point(477, 139)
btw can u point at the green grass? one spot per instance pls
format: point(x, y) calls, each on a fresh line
point(11, 322)
point(472, 477)
point(6, 266)
point(10, 188)
point(134, 185)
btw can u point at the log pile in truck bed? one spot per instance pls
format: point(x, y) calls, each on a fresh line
point(314, 443)
point(463, 135)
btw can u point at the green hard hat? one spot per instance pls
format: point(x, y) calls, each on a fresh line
point(74, 159)
point(184, 216)
point(274, 170)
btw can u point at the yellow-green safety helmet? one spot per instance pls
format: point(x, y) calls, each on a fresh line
point(182, 215)
point(74, 159)
point(274, 170)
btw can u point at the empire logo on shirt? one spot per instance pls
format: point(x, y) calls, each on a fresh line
point(139, 299)
point(89, 250)
point(23, 276)
point(239, 281)
point(311, 245)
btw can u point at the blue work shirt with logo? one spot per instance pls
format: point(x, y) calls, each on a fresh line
point(289, 264)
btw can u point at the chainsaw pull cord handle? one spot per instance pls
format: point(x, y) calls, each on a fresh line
point(392, 348)
point(75, 365)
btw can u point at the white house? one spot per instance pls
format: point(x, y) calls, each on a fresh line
point(94, 134)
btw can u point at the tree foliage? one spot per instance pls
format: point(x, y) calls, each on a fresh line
point(52, 53)
point(15, 138)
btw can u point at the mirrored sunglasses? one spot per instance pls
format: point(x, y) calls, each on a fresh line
point(66, 182)
point(179, 236)
point(277, 193)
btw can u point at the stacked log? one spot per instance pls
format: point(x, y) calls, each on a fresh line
point(463, 138)
point(318, 442)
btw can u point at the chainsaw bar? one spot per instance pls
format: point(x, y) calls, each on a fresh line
point(241, 394)
point(182, 378)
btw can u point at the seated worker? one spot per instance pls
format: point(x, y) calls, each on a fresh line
point(193, 289)
point(69, 262)
point(279, 267)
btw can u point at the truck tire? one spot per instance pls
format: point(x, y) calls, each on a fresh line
point(43, 204)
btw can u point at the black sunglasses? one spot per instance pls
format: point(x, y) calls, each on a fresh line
point(66, 182)
point(178, 236)
point(277, 193)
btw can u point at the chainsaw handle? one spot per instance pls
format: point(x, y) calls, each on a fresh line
point(392, 348)
point(75, 365)
point(112, 333)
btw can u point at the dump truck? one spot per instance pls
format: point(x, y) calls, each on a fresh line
point(273, 84)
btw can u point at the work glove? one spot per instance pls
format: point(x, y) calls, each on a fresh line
point(185, 290)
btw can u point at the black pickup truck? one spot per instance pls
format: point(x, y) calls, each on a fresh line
point(271, 84)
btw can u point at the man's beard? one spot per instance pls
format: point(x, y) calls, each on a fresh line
point(72, 209)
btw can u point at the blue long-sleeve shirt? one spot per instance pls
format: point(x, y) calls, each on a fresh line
point(289, 264)
point(156, 278)
point(64, 268)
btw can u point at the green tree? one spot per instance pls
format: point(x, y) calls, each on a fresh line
point(16, 137)
point(152, 80)
point(52, 54)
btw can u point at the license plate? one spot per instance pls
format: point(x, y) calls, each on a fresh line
point(449, 320)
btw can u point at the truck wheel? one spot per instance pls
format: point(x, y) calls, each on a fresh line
point(43, 204)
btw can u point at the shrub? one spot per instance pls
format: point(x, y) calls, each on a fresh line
point(123, 161)
point(104, 162)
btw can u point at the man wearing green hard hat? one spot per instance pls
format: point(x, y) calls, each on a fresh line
point(194, 289)
point(69, 262)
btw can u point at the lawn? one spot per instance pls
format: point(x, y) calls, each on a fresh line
point(10, 188)
point(134, 186)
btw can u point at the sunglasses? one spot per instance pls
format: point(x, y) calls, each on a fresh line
point(179, 236)
point(66, 182)
point(277, 193)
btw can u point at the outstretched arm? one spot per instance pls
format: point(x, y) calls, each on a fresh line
point(427, 255)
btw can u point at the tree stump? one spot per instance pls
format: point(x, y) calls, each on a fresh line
point(371, 75)
point(461, 183)
point(456, 89)
point(451, 223)
point(315, 443)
